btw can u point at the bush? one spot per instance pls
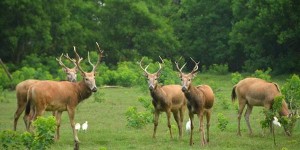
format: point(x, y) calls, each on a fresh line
point(222, 122)
point(4, 80)
point(221, 69)
point(265, 75)
point(137, 119)
point(291, 90)
point(236, 77)
point(42, 138)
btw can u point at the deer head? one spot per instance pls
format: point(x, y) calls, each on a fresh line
point(151, 78)
point(186, 79)
point(71, 72)
point(88, 77)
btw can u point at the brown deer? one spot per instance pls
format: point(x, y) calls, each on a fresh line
point(22, 88)
point(61, 95)
point(168, 98)
point(256, 92)
point(200, 101)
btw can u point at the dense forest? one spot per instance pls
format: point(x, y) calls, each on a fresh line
point(244, 34)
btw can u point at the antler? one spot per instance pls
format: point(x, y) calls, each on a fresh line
point(77, 61)
point(196, 66)
point(99, 58)
point(60, 62)
point(73, 60)
point(180, 70)
point(145, 69)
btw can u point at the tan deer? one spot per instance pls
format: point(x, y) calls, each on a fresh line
point(256, 92)
point(22, 88)
point(200, 101)
point(168, 98)
point(61, 95)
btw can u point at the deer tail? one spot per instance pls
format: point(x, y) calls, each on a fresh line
point(277, 86)
point(28, 104)
point(233, 94)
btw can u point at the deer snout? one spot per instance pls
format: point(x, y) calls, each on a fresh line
point(184, 89)
point(151, 87)
point(94, 89)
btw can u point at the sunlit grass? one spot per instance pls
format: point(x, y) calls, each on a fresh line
point(108, 130)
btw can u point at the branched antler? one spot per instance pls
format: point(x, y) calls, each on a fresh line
point(61, 63)
point(179, 69)
point(145, 69)
point(196, 66)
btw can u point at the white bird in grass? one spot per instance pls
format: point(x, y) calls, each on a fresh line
point(275, 122)
point(85, 126)
point(77, 126)
point(188, 126)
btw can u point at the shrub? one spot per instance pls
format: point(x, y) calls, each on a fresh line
point(41, 138)
point(265, 75)
point(222, 122)
point(127, 74)
point(291, 90)
point(137, 119)
point(221, 69)
point(3, 97)
point(4, 80)
point(236, 77)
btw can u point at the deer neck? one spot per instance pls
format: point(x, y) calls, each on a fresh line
point(284, 109)
point(192, 93)
point(84, 91)
point(158, 94)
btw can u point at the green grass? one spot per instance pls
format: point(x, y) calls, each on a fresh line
point(108, 130)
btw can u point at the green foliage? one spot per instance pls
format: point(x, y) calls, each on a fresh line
point(137, 119)
point(42, 138)
point(265, 75)
point(10, 140)
point(127, 74)
point(222, 121)
point(236, 77)
point(4, 80)
point(291, 90)
point(287, 123)
point(3, 97)
point(220, 69)
point(99, 96)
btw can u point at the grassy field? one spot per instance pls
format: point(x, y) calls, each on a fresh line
point(108, 130)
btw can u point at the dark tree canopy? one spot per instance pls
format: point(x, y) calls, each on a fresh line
point(246, 35)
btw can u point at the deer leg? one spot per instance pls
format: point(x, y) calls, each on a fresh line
point(200, 116)
point(208, 114)
point(169, 122)
point(240, 112)
point(58, 121)
point(156, 117)
point(18, 112)
point(71, 113)
point(181, 111)
point(192, 127)
point(179, 124)
point(247, 117)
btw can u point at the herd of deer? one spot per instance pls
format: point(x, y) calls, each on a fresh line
point(37, 96)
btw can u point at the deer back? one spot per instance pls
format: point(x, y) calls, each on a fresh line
point(57, 95)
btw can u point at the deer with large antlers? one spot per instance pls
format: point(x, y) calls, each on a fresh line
point(22, 88)
point(200, 101)
point(61, 96)
point(168, 98)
